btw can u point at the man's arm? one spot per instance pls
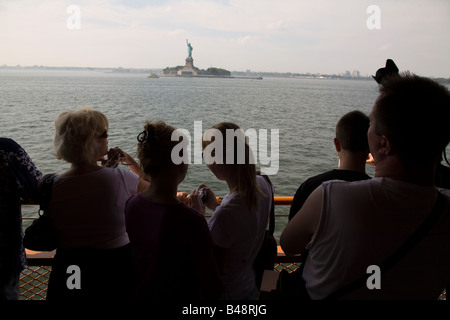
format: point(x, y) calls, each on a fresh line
point(303, 225)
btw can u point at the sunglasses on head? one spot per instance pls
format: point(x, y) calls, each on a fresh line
point(143, 136)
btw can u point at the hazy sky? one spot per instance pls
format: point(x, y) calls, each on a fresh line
point(325, 36)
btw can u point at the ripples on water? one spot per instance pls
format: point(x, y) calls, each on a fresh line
point(304, 110)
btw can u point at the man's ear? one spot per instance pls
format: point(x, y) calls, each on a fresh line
point(385, 145)
point(337, 144)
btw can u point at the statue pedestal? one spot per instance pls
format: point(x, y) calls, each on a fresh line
point(189, 69)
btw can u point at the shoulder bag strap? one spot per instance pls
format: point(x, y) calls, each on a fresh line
point(400, 252)
point(272, 209)
point(45, 191)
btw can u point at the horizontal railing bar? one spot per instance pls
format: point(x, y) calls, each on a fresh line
point(278, 201)
point(45, 258)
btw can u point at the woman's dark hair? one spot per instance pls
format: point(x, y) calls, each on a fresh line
point(155, 148)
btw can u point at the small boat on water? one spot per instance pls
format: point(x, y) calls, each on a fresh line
point(153, 76)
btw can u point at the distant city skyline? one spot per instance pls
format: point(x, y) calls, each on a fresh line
point(347, 73)
point(298, 36)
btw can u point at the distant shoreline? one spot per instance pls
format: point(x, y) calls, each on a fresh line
point(234, 74)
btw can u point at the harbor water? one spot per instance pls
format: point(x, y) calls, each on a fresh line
point(304, 111)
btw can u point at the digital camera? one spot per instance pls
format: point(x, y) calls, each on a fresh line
point(203, 195)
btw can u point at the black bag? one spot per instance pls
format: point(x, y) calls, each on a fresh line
point(265, 258)
point(290, 285)
point(41, 235)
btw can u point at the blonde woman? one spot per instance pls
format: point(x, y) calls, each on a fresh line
point(87, 209)
point(239, 222)
point(171, 243)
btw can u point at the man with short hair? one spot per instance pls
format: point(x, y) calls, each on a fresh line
point(352, 146)
point(351, 227)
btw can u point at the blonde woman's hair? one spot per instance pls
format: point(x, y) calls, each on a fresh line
point(243, 167)
point(76, 131)
point(155, 148)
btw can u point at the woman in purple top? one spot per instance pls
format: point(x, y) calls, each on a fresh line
point(171, 243)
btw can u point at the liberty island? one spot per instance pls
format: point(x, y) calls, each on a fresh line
point(189, 70)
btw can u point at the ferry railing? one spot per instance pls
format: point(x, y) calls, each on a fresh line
point(34, 278)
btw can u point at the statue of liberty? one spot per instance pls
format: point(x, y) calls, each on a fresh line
point(189, 49)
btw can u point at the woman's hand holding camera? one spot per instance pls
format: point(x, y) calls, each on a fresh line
point(116, 156)
point(199, 199)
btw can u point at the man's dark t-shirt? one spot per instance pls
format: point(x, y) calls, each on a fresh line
point(307, 187)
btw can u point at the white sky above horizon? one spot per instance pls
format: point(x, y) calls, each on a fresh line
point(321, 36)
